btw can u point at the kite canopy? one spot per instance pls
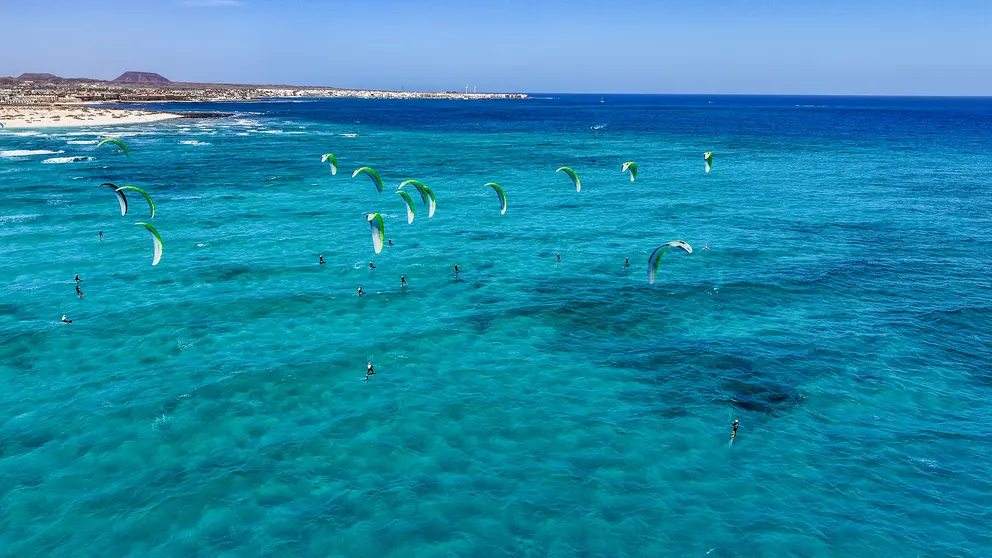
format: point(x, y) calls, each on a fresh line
point(378, 231)
point(419, 186)
point(156, 240)
point(329, 157)
point(116, 142)
point(371, 174)
point(409, 205)
point(120, 196)
point(431, 202)
point(708, 156)
point(501, 195)
point(151, 204)
point(571, 174)
point(655, 258)
point(630, 167)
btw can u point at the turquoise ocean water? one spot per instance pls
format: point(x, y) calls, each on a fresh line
point(216, 404)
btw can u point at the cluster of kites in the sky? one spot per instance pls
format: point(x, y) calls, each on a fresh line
point(122, 199)
point(378, 228)
point(375, 219)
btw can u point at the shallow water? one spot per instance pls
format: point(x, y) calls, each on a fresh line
point(216, 404)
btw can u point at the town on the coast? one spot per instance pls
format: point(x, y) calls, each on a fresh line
point(46, 89)
point(47, 101)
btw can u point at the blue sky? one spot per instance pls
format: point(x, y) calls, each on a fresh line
point(872, 47)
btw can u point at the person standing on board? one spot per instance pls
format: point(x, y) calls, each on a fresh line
point(734, 433)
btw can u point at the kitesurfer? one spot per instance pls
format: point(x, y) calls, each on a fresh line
point(101, 236)
point(734, 433)
point(79, 293)
point(360, 291)
point(77, 278)
point(369, 372)
point(402, 280)
point(559, 259)
point(321, 259)
point(66, 320)
point(457, 271)
point(371, 265)
point(626, 263)
point(390, 241)
point(706, 246)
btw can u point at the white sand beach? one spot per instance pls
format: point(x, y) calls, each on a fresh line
point(65, 116)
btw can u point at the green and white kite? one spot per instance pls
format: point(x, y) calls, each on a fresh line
point(431, 202)
point(631, 168)
point(116, 142)
point(371, 174)
point(156, 240)
point(330, 158)
point(655, 258)
point(378, 231)
point(409, 205)
point(151, 204)
point(499, 194)
point(571, 174)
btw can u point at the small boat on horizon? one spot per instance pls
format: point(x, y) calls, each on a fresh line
point(601, 100)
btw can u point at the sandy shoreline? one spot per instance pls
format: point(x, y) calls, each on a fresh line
point(20, 117)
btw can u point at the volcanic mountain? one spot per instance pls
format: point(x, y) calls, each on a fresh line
point(142, 78)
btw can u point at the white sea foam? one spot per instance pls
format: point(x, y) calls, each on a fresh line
point(20, 218)
point(193, 142)
point(118, 135)
point(28, 153)
point(83, 142)
point(161, 422)
point(349, 135)
point(63, 160)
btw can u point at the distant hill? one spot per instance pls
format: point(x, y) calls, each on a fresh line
point(145, 78)
point(37, 77)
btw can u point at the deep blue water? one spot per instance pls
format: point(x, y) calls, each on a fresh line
point(216, 404)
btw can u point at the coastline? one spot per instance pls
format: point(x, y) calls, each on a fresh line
point(15, 117)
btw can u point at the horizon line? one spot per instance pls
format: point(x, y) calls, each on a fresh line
point(531, 93)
